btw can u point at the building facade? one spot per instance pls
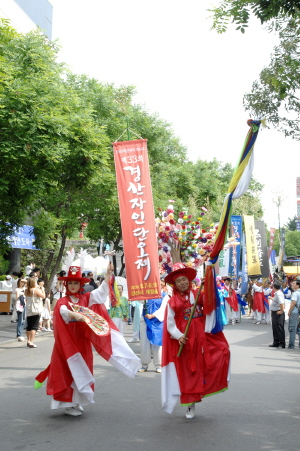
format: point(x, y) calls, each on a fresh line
point(26, 15)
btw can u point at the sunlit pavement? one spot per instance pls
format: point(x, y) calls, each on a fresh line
point(260, 411)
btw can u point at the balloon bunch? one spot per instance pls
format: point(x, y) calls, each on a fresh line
point(186, 234)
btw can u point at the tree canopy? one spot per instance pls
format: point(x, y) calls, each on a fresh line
point(275, 96)
point(291, 224)
point(239, 12)
point(57, 163)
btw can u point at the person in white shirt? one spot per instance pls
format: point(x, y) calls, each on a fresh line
point(267, 290)
point(293, 313)
point(29, 268)
point(287, 298)
point(277, 309)
point(14, 282)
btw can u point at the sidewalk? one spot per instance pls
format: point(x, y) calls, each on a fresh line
point(8, 330)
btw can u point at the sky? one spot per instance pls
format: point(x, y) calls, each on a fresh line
point(192, 77)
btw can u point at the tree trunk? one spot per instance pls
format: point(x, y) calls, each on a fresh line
point(116, 244)
point(14, 258)
point(57, 263)
point(122, 265)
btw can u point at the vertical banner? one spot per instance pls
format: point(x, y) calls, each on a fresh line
point(272, 237)
point(252, 255)
point(223, 262)
point(137, 219)
point(273, 258)
point(244, 285)
point(272, 263)
point(235, 253)
point(261, 243)
point(282, 255)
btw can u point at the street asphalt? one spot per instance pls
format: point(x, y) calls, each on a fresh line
point(260, 411)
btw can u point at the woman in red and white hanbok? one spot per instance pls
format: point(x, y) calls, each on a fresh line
point(70, 373)
point(203, 366)
point(258, 301)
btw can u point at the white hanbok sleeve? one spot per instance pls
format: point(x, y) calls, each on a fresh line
point(64, 311)
point(171, 325)
point(257, 289)
point(160, 313)
point(99, 296)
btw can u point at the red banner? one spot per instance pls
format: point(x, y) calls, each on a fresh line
point(272, 237)
point(137, 219)
point(298, 186)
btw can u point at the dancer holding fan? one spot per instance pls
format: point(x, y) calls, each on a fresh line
point(80, 321)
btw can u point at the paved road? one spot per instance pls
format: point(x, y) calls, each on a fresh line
point(260, 411)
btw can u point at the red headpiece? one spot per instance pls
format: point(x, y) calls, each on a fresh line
point(74, 274)
point(179, 269)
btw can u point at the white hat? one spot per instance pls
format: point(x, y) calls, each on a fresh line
point(259, 280)
point(8, 277)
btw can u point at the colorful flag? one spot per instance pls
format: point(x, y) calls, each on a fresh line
point(237, 187)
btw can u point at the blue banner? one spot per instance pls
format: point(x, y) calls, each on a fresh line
point(235, 253)
point(244, 286)
point(273, 257)
point(23, 238)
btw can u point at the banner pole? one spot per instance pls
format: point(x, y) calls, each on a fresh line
point(190, 319)
point(128, 131)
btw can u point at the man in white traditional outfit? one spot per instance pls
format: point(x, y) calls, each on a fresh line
point(151, 332)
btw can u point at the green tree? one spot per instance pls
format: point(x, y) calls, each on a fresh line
point(292, 224)
point(292, 243)
point(57, 164)
point(213, 180)
point(51, 146)
point(275, 96)
point(239, 12)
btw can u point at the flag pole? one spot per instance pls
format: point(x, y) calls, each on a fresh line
point(190, 319)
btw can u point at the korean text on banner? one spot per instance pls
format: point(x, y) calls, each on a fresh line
point(244, 286)
point(261, 243)
point(235, 252)
point(272, 238)
point(223, 263)
point(137, 219)
point(23, 238)
point(252, 254)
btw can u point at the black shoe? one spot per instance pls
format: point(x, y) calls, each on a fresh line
point(274, 346)
point(281, 346)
